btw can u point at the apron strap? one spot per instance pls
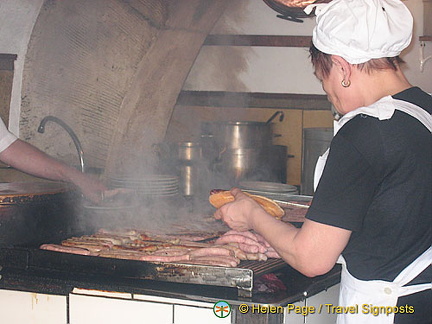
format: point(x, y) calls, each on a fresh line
point(415, 268)
point(408, 290)
point(398, 285)
point(415, 111)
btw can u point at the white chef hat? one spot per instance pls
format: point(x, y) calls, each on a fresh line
point(360, 30)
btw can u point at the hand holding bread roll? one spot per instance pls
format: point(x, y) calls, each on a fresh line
point(218, 198)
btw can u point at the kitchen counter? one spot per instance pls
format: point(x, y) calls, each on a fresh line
point(74, 294)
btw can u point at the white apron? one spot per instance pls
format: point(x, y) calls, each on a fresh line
point(355, 292)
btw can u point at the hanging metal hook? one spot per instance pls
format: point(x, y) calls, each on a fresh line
point(281, 117)
point(423, 59)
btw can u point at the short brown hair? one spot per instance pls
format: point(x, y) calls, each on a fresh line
point(322, 62)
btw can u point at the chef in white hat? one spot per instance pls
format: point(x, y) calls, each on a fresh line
point(372, 209)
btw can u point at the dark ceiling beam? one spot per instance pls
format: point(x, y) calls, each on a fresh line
point(258, 40)
point(253, 100)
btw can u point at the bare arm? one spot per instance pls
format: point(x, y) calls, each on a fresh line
point(313, 249)
point(29, 159)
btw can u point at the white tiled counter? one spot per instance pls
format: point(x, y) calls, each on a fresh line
point(17, 307)
point(94, 307)
point(88, 306)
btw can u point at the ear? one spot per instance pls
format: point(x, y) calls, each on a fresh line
point(342, 66)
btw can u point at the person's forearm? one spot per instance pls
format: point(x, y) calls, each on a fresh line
point(27, 158)
point(299, 248)
point(280, 235)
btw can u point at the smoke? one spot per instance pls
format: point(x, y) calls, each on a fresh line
point(171, 215)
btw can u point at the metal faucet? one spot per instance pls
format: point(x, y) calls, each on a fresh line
point(41, 129)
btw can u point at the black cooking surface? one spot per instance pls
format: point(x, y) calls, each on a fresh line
point(15, 275)
point(25, 226)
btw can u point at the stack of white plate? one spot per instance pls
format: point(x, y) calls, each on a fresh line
point(272, 190)
point(152, 185)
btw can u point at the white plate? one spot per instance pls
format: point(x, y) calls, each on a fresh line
point(145, 186)
point(148, 179)
point(283, 197)
point(109, 208)
point(272, 187)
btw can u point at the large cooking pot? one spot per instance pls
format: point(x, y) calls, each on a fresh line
point(268, 164)
point(32, 212)
point(238, 163)
point(238, 134)
point(234, 135)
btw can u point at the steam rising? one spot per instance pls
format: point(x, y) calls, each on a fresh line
point(162, 215)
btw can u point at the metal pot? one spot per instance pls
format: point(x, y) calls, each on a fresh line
point(189, 156)
point(238, 134)
point(239, 162)
point(189, 151)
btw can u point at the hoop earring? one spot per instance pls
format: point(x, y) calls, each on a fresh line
point(345, 84)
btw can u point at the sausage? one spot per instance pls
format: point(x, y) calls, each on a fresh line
point(254, 236)
point(92, 247)
point(171, 252)
point(89, 239)
point(216, 260)
point(143, 257)
point(256, 256)
point(121, 254)
point(147, 248)
point(213, 250)
point(64, 249)
point(245, 243)
point(165, 258)
point(238, 253)
point(115, 239)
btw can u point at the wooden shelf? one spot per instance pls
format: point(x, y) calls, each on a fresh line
point(258, 40)
point(253, 100)
point(425, 38)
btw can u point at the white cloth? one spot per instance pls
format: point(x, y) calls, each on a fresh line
point(361, 30)
point(382, 109)
point(6, 137)
point(379, 292)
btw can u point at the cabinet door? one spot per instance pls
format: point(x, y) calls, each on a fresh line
point(197, 315)
point(104, 310)
point(292, 317)
point(329, 296)
point(31, 308)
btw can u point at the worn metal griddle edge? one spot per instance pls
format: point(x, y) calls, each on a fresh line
point(241, 277)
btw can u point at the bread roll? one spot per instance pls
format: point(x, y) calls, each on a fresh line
point(220, 198)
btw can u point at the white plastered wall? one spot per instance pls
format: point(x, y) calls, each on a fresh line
point(268, 69)
point(17, 18)
point(285, 70)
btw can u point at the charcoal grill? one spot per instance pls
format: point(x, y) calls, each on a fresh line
point(48, 219)
point(241, 277)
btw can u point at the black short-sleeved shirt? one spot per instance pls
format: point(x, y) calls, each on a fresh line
point(377, 182)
